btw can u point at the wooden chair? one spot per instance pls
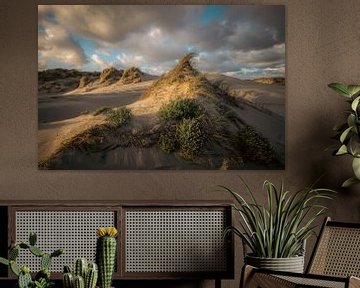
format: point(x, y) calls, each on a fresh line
point(335, 262)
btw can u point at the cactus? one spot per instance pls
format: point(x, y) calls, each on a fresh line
point(4, 261)
point(36, 251)
point(57, 252)
point(79, 282)
point(24, 246)
point(24, 280)
point(90, 272)
point(13, 253)
point(91, 276)
point(44, 273)
point(68, 280)
point(14, 268)
point(106, 254)
point(42, 278)
point(45, 261)
point(32, 239)
point(67, 269)
point(80, 267)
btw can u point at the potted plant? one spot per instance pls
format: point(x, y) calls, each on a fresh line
point(276, 233)
point(349, 132)
point(84, 274)
point(42, 278)
point(106, 254)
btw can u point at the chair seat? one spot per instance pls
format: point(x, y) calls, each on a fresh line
point(315, 282)
point(255, 277)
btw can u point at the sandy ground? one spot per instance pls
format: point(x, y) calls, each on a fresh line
point(59, 115)
point(263, 96)
point(262, 107)
point(65, 106)
point(52, 136)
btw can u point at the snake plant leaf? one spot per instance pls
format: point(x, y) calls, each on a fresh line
point(356, 167)
point(342, 150)
point(345, 134)
point(353, 89)
point(349, 182)
point(340, 88)
point(279, 228)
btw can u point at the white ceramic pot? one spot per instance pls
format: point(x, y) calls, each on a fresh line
point(291, 264)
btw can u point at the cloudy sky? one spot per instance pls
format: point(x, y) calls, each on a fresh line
point(238, 40)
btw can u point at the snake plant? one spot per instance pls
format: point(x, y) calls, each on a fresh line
point(280, 228)
point(349, 132)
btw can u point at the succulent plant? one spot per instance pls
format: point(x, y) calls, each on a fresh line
point(85, 275)
point(91, 276)
point(79, 282)
point(68, 278)
point(42, 278)
point(106, 254)
point(80, 267)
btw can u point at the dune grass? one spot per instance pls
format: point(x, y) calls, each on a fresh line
point(181, 108)
point(119, 117)
point(102, 110)
point(255, 147)
point(192, 136)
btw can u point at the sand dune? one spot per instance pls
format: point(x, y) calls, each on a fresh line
point(53, 137)
point(270, 98)
point(229, 106)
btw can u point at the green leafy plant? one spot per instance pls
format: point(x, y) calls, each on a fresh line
point(168, 141)
point(191, 137)
point(119, 117)
point(279, 229)
point(42, 278)
point(178, 109)
point(349, 132)
point(43, 283)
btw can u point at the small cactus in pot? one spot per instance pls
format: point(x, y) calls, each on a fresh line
point(106, 254)
point(85, 275)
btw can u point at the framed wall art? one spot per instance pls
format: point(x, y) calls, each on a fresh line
point(161, 87)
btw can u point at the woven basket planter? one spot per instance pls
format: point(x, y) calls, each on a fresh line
point(291, 264)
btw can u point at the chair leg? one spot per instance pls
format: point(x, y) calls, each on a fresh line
point(217, 283)
point(246, 274)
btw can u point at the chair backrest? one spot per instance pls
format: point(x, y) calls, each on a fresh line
point(337, 251)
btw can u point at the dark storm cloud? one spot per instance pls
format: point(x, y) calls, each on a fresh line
point(248, 28)
point(155, 36)
point(114, 23)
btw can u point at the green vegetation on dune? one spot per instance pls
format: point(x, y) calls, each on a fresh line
point(181, 108)
point(119, 117)
point(168, 140)
point(184, 130)
point(254, 147)
point(102, 110)
point(192, 136)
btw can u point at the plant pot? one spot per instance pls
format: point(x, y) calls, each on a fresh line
point(291, 264)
